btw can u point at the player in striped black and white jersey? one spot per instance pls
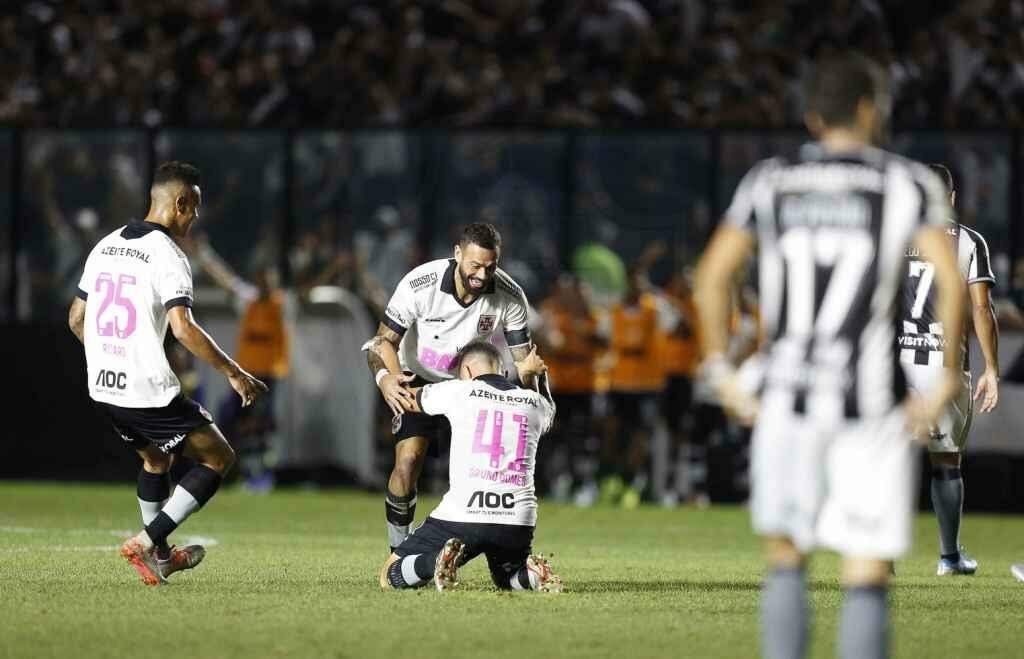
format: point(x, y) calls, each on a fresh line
point(831, 465)
point(921, 353)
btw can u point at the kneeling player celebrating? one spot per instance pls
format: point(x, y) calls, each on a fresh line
point(491, 505)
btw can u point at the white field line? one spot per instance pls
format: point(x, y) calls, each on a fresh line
point(120, 533)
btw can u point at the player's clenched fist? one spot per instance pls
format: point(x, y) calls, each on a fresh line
point(395, 392)
point(247, 385)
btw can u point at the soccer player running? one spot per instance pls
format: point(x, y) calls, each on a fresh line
point(135, 282)
point(491, 504)
point(921, 353)
point(436, 309)
point(831, 465)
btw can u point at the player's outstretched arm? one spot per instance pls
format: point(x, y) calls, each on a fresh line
point(199, 343)
point(722, 260)
point(76, 318)
point(382, 358)
point(986, 328)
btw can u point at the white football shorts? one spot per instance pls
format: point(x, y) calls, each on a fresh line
point(850, 487)
point(950, 436)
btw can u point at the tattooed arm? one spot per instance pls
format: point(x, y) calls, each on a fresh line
point(382, 354)
point(519, 356)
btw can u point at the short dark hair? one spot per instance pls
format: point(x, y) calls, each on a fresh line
point(484, 234)
point(838, 83)
point(943, 173)
point(175, 170)
point(477, 347)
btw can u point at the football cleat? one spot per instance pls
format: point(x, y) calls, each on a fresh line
point(1017, 570)
point(445, 569)
point(143, 559)
point(541, 577)
point(181, 559)
point(966, 565)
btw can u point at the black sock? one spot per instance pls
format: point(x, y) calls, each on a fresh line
point(153, 491)
point(400, 511)
point(196, 488)
point(422, 567)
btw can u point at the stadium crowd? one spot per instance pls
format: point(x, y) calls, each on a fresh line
point(509, 62)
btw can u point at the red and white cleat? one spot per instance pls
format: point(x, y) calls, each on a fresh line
point(143, 559)
point(541, 577)
point(446, 567)
point(181, 559)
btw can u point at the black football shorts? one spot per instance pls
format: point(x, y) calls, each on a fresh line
point(164, 427)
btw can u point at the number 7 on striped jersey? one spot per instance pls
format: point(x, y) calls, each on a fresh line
point(926, 272)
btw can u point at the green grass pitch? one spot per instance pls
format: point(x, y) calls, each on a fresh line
point(293, 574)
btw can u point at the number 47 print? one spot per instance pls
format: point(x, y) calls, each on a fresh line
point(494, 449)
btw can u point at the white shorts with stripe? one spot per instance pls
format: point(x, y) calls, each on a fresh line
point(850, 486)
point(950, 434)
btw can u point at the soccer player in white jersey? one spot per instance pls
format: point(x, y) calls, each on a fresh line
point(831, 463)
point(921, 353)
point(135, 282)
point(436, 309)
point(491, 504)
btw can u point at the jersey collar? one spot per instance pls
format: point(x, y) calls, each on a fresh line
point(499, 382)
point(448, 285)
point(138, 229)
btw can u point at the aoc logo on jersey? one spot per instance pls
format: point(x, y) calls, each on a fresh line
point(482, 499)
point(486, 324)
point(112, 379)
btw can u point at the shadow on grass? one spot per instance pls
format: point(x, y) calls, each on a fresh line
point(687, 586)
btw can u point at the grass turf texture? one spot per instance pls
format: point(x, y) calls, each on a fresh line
point(293, 574)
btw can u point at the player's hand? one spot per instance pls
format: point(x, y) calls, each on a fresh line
point(987, 390)
point(738, 403)
point(530, 366)
point(248, 386)
point(396, 394)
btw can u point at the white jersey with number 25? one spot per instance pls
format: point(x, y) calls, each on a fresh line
point(496, 427)
point(132, 277)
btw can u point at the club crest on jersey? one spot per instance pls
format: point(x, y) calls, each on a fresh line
point(486, 324)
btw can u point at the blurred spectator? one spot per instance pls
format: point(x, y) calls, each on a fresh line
point(637, 378)
point(682, 356)
point(570, 342)
point(514, 62)
point(263, 351)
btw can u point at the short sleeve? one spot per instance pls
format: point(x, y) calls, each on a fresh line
point(174, 283)
point(401, 312)
point(516, 322)
point(980, 269)
point(740, 213)
point(433, 399)
point(84, 284)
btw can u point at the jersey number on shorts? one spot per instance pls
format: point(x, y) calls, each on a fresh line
point(926, 273)
point(494, 449)
point(113, 294)
point(846, 254)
